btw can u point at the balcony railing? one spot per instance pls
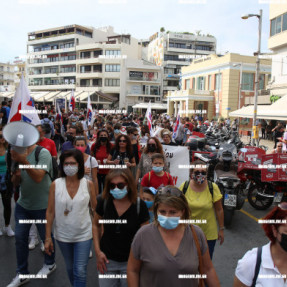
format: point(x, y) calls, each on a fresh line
point(50, 84)
point(143, 79)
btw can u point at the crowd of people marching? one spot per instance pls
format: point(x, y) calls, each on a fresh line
point(107, 187)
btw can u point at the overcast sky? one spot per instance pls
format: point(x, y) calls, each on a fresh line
point(140, 18)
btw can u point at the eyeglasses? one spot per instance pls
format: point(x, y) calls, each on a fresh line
point(199, 172)
point(172, 191)
point(135, 135)
point(119, 185)
point(122, 141)
point(279, 146)
point(152, 145)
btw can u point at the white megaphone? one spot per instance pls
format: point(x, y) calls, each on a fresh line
point(20, 135)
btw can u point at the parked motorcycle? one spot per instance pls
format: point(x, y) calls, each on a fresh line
point(225, 176)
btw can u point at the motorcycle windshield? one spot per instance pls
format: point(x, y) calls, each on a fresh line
point(227, 147)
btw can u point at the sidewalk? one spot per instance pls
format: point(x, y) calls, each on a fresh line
point(269, 144)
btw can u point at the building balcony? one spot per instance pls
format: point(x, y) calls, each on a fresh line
point(110, 89)
point(52, 87)
point(176, 63)
point(170, 88)
point(89, 75)
point(89, 60)
point(134, 94)
point(56, 63)
point(49, 39)
point(52, 75)
point(52, 51)
point(139, 80)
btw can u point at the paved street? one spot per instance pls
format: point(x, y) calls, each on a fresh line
point(245, 234)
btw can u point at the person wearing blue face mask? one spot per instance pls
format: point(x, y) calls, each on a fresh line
point(157, 176)
point(148, 197)
point(168, 248)
point(118, 201)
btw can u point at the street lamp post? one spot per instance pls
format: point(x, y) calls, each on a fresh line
point(259, 16)
point(240, 86)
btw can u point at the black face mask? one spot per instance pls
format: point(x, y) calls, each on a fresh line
point(70, 138)
point(283, 242)
point(151, 148)
point(103, 139)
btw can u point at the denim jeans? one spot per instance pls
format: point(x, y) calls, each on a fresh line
point(114, 268)
point(22, 236)
point(211, 245)
point(76, 255)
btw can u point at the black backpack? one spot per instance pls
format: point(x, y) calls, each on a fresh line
point(210, 187)
point(54, 163)
point(257, 266)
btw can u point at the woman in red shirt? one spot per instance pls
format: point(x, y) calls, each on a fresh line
point(101, 150)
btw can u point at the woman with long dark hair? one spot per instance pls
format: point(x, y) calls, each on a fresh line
point(122, 154)
point(118, 201)
point(101, 150)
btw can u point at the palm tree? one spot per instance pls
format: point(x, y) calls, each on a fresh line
point(162, 29)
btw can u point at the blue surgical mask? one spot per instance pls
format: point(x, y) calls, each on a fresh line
point(149, 204)
point(168, 222)
point(116, 131)
point(157, 168)
point(119, 193)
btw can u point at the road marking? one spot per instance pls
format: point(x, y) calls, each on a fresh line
point(249, 215)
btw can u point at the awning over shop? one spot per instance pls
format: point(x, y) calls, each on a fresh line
point(7, 94)
point(276, 111)
point(154, 106)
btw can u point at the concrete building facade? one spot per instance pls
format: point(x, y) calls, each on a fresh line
point(173, 50)
point(217, 85)
point(7, 77)
point(277, 43)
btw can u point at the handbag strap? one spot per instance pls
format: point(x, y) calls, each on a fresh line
point(90, 203)
point(201, 282)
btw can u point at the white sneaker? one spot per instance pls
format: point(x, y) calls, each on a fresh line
point(8, 230)
point(47, 269)
point(18, 281)
point(91, 254)
point(33, 243)
point(42, 246)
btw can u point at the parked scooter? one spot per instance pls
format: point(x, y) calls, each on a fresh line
point(225, 176)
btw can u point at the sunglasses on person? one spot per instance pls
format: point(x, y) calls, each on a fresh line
point(135, 135)
point(172, 191)
point(119, 185)
point(197, 172)
point(279, 146)
point(122, 141)
point(152, 145)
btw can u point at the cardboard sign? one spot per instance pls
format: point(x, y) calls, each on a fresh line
point(252, 158)
point(274, 167)
point(176, 156)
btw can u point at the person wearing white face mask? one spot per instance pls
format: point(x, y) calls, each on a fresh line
point(69, 200)
point(118, 201)
point(167, 249)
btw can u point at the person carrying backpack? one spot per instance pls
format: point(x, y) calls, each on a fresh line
point(204, 200)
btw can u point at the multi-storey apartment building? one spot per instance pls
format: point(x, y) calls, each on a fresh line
point(278, 44)
point(7, 77)
point(217, 85)
point(173, 50)
point(141, 83)
point(101, 64)
point(20, 69)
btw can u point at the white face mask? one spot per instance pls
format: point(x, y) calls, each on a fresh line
point(70, 170)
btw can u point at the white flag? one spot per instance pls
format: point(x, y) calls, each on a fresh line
point(149, 119)
point(89, 112)
point(23, 106)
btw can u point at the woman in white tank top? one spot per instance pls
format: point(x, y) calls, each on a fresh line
point(68, 208)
